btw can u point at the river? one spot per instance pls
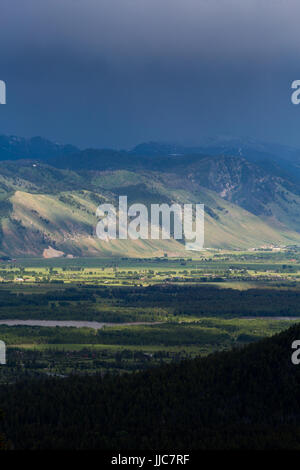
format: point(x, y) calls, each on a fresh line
point(73, 323)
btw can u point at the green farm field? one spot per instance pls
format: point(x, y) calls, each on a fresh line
point(150, 311)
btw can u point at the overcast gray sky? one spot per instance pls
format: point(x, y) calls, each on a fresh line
point(119, 72)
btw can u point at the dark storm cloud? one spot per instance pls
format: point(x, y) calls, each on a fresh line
point(116, 72)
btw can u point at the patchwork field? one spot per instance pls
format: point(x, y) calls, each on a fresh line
point(150, 311)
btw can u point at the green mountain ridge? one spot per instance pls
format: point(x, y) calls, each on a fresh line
point(32, 221)
point(44, 207)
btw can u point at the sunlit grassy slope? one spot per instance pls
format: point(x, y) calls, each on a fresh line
point(66, 222)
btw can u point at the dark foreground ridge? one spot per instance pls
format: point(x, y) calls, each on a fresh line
point(244, 399)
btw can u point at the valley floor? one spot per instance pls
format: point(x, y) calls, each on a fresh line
point(151, 311)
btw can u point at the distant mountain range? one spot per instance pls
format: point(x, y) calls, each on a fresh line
point(49, 193)
point(16, 148)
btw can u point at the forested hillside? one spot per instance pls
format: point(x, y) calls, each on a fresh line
point(245, 398)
